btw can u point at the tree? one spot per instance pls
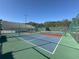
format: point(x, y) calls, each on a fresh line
point(0, 26)
point(47, 29)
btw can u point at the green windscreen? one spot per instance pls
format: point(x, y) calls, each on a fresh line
point(74, 28)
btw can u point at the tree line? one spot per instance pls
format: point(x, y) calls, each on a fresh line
point(63, 23)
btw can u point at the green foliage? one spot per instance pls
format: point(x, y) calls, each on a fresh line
point(36, 24)
point(64, 23)
point(0, 24)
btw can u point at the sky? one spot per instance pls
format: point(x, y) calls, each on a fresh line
point(38, 10)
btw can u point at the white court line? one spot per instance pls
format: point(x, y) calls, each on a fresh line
point(43, 48)
point(36, 46)
point(57, 45)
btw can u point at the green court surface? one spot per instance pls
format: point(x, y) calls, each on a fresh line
point(67, 49)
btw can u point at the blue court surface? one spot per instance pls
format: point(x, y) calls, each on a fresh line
point(47, 44)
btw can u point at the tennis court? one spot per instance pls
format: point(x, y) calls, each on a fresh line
point(41, 46)
point(46, 41)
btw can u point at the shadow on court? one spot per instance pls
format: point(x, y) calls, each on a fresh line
point(76, 37)
point(8, 55)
